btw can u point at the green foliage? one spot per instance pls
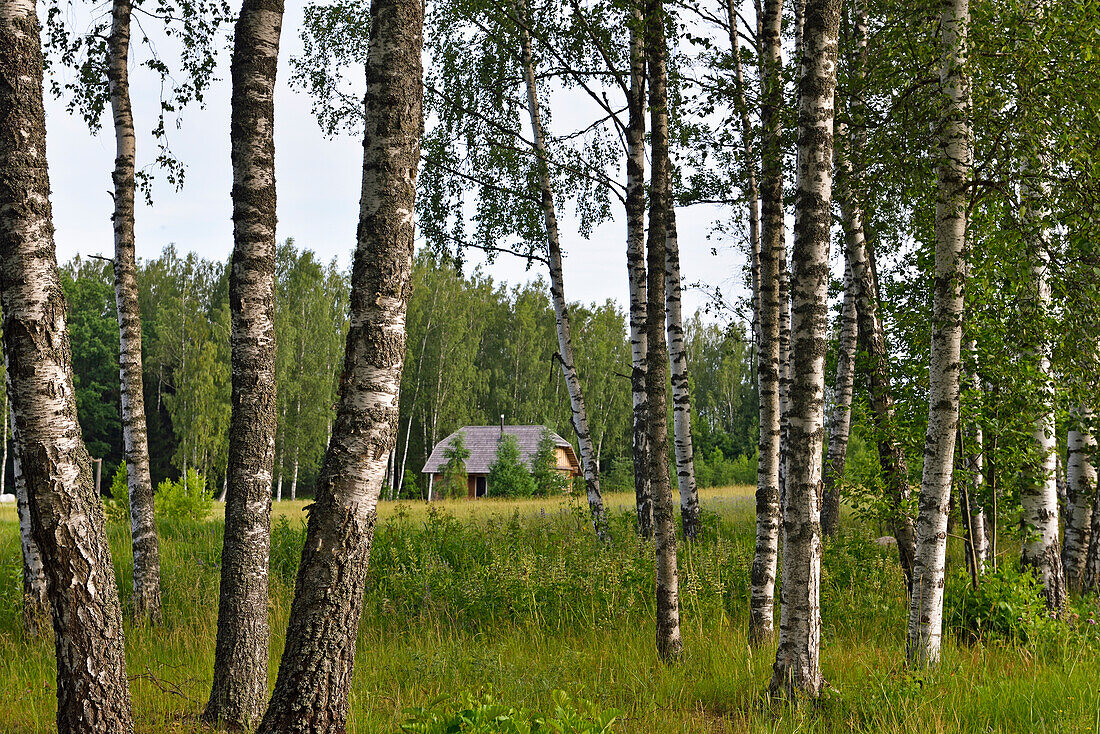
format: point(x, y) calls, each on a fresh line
point(1007, 605)
point(287, 542)
point(508, 477)
point(716, 470)
point(454, 483)
point(548, 480)
point(185, 499)
point(117, 506)
point(483, 715)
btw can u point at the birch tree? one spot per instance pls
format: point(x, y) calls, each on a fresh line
point(36, 601)
point(669, 642)
point(953, 178)
point(311, 692)
point(240, 658)
point(1081, 476)
point(67, 519)
point(769, 371)
point(797, 670)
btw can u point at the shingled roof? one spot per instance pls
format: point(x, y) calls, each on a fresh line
point(482, 444)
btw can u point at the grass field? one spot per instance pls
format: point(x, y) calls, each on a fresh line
point(514, 599)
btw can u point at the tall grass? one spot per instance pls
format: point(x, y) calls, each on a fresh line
point(517, 600)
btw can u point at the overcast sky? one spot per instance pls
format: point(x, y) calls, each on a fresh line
point(318, 192)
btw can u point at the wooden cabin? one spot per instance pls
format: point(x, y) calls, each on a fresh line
point(481, 442)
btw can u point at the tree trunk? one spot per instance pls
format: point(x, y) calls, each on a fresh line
point(281, 437)
point(1039, 493)
point(973, 499)
point(311, 693)
point(241, 653)
point(1090, 579)
point(769, 370)
point(681, 388)
point(797, 670)
point(841, 423)
point(135, 437)
point(4, 463)
point(36, 601)
point(953, 174)
point(669, 644)
point(848, 190)
point(557, 288)
point(636, 270)
point(1082, 491)
point(294, 477)
point(67, 522)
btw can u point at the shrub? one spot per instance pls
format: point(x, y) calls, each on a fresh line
point(485, 716)
point(117, 506)
point(186, 499)
point(548, 480)
point(508, 477)
point(1008, 605)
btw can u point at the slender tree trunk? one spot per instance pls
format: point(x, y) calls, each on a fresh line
point(1039, 494)
point(281, 436)
point(241, 653)
point(36, 601)
point(669, 643)
point(681, 388)
point(135, 437)
point(1090, 579)
point(4, 464)
point(636, 269)
point(848, 190)
point(769, 370)
point(67, 521)
point(557, 288)
point(311, 693)
point(1082, 491)
point(973, 494)
point(841, 423)
point(953, 174)
point(294, 477)
point(797, 670)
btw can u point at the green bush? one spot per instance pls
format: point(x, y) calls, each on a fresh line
point(186, 499)
point(548, 480)
point(454, 482)
point(117, 506)
point(1008, 605)
point(485, 716)
point(508, 477)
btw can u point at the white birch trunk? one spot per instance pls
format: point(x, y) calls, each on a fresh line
point(953, 173)
point(67, 522)
point(36, 602)
point(681, 388)
point(1081, 495)
point(769, 369)
point(557, 287)
point(797, 670)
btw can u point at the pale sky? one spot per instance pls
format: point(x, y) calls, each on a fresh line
point(318, 192)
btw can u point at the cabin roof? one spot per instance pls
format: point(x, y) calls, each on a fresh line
point(482, 444)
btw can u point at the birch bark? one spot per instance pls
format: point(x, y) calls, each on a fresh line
point(973, 488)
point(1090, 579)
point(797, 670)
point(953, 173)
point(66, 516)
point(135, 436)
point(768, 371)
point(311, 693)
point(1039, 494)
point(36, 601)
point(1081, 490)
point(669, 643)
point(636, 270)
point(241, 653)
point(681, 388)
point(557, 288)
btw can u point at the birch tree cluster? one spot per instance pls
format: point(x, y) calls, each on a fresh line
point(907, 194)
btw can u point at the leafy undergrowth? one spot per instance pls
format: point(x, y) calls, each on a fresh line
point(522, 620)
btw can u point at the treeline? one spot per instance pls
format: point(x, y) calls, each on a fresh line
point(476, 350)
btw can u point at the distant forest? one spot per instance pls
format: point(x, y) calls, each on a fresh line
point(477, 350)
